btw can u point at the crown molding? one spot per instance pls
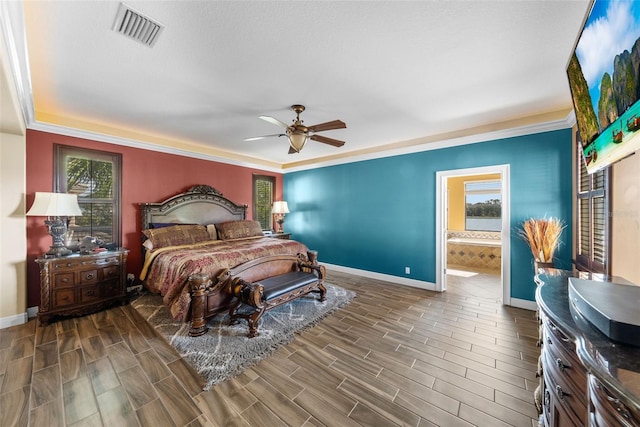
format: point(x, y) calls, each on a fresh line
point(464, 137)
point(563, 119)
point(110, 139)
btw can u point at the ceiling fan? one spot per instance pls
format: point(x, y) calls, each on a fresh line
point(298, 133)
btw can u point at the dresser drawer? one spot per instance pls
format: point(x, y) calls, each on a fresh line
point(62, 280)
point(65, 264)
point(565, 363)
point(88, 277)
point(559, 338)
point(111, 272)
point(564, 392)
point(111, 288)
point(64, 297)
point(89, 293)
point(607, 410)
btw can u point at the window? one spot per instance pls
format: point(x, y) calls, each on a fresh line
point(592, 222)
point(95, 177)
point(264, 189)
point(483, 205)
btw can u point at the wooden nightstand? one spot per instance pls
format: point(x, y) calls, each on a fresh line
point(285, 236)
point(81, 284)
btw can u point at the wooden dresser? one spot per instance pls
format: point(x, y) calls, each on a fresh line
point(587, 379)
point(81, 284)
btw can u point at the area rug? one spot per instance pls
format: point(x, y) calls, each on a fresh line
point(225, 351)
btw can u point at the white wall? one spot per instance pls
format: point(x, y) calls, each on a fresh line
point(13, 237)
point(625, 219)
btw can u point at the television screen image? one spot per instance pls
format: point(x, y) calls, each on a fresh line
point(604, 78)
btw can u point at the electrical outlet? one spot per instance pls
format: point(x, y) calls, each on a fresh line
point(407, 270)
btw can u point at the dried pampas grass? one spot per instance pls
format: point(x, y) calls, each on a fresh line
point(542, 236)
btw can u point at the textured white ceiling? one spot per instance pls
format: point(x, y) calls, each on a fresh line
point(394, 71)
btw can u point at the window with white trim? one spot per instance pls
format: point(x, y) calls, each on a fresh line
point(264, 189)
point(94, 176)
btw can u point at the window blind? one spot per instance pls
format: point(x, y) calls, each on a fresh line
point(263, 193)
point(592, 219)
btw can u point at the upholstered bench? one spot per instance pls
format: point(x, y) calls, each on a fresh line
point(285, 278)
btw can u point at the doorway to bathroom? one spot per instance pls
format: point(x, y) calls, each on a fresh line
point(472, 232)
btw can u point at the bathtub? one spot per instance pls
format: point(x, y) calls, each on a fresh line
point(474, 250)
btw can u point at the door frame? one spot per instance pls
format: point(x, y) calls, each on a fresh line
point(441, 224)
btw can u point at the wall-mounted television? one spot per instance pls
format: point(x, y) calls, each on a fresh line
point(604, 77)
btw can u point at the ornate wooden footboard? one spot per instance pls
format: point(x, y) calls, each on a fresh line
point(211, 296)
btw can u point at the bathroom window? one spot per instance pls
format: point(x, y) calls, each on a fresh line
point(483, 205)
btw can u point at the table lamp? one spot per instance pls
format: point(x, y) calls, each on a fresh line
point(57, 207)
point(279, 209)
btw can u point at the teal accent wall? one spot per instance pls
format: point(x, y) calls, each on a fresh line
point(379, 215)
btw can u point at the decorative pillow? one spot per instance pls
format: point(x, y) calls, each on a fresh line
point(238, 229)
point(148, 245)
point(213, 233)
point(176, 235)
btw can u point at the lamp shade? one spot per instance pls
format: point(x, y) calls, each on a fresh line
point(55, 204)
point(280, 207)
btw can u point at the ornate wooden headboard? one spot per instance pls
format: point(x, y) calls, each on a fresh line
point(200, 204)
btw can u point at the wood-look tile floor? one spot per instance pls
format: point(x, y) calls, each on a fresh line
point(395, 356)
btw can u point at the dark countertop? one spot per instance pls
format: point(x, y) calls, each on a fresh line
point(616, 365)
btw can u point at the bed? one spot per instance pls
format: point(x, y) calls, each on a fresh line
point(191, 240)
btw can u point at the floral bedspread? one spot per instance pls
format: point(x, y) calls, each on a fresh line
point(166, 271)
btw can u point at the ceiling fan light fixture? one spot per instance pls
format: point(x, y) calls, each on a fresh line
point(298, 134)
point(297, 140)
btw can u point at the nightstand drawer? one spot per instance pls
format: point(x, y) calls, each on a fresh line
point(88, 276)
point(64, 297)
point(89, 293)
point(111, 272)
point(63, 280)
point(65, 264)
point(111, 288)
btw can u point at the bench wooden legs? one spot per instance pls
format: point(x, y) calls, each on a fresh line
point(248, 294)
point(323, 292)
point(253, 319)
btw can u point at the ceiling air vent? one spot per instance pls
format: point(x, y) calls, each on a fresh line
point(136, 26)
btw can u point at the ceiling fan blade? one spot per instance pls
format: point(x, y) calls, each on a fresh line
point(335, 124)
point(325, 140)
point(274, 121)
point(254, 138)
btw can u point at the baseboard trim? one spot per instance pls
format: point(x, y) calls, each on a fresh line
point(16, 319)
point(524, 303)
point(386, 277)
point(32, 311)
